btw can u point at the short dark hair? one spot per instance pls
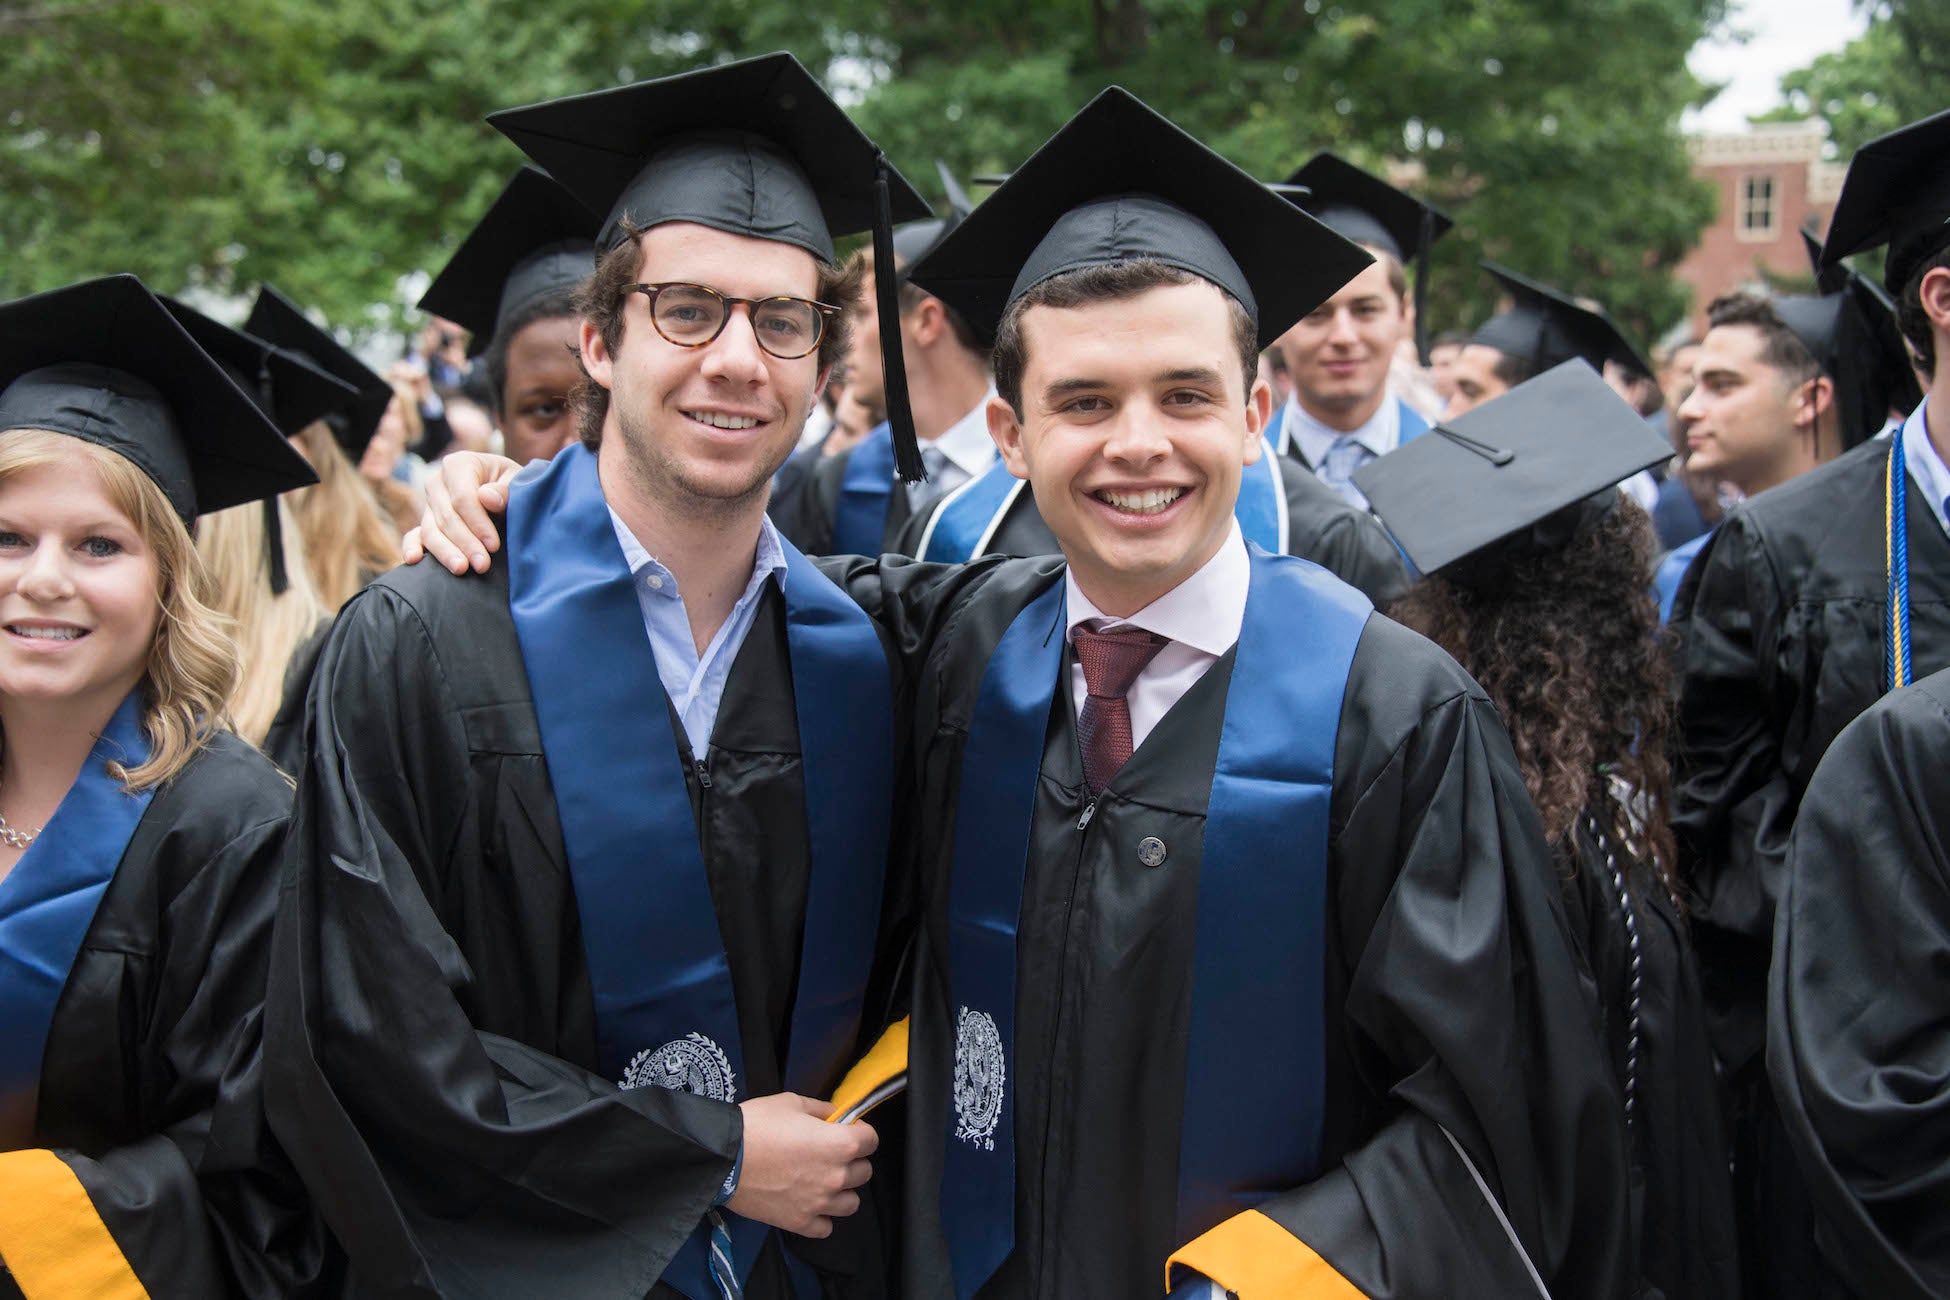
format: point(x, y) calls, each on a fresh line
point(600, 302)
point(1911, 318)
point(494, 362)
point(1108, 283)
point(1512, 369)
point(912, 295)
point(1781, 347)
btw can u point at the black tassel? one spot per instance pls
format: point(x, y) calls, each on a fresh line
point(886, 287)
point(274, 542)
point(1422, 288)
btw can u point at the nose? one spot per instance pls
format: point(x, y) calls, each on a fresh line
point(734, 356)
point(1137, 437)
point(1340, 328)
point(44, 577)
point(1694, 406)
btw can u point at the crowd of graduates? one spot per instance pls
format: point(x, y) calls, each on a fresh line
point(1071, 753)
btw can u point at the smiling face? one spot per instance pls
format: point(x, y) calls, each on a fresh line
point(1135, 429)
point(705, 426)
point(78, 589)
point(1339, 353)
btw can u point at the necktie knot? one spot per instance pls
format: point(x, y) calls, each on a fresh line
point(1113, 659)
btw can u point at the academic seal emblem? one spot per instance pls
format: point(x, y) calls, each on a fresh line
point(979, 1076)
point(693, 1064)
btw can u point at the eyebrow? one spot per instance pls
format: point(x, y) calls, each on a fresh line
point(1084, 384)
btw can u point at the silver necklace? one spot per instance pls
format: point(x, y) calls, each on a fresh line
point(17, 839)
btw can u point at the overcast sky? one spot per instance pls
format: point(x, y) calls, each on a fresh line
point(1785, 35)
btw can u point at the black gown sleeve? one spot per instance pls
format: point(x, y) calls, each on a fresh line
point(1467, 1009)
point(1733, 801)
point(284, 742)
point(449, 1160)
point(1859, 1013)
point(1345, 541)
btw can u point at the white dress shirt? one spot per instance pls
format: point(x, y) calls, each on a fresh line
point(1380, 435)
point(965, 451)
point(1201, 617)
point(1925, 466)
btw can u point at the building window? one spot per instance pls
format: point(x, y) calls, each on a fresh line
point(1759, 216)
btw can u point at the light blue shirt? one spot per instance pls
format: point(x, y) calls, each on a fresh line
point(1925, 466)
point(694, 682)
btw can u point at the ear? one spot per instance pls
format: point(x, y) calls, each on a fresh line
point(1822, 394)
point(1259, 409)
point(1006, 429)
point(926, 322)
point(1934, 294)
point(595, 353)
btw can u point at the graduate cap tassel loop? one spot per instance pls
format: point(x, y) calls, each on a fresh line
point(273, 527)
point(886, 289)
point(1422, 289)
point(1498, 456)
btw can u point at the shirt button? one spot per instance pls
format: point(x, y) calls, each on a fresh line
point(1151, 851)
point(655, 583)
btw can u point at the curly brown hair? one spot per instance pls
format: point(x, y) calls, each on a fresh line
point(1568, 646)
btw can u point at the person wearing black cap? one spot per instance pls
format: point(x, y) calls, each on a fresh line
point(139, 837)
point(1856, 998)
point(1343, 412)
point(565, 821)
point(512, 284)
point(1535, 579)
point(849, 503)
point(1182, 990)
point(1806, 605)
point(347, 537)
point(1544, 327)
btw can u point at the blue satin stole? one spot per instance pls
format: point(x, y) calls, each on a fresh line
point(968, 517)
point(1255, 1086)
point(657, 964)
point(866, 488)
point(48, 902)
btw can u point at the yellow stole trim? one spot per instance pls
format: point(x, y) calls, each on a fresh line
point(1256, 1259)
point(52, 1239)
point(883, 1061)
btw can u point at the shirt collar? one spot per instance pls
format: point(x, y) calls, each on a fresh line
point(768, 562)
point(1925, 466)
point(1314, 439)
point(966, 443)
point(1204, 612)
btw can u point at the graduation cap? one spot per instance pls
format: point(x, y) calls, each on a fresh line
point(289, 389)
point(105, 361)
point(913, 240)
point(1118, 183)
point(1522, 474)
point(277, 320)
point(1547, 326)
point(535, 238)
point(1897, 192)
point(1850, 329)
point(756, 147)
point(1368, 210)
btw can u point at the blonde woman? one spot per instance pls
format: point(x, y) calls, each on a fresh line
point(138, 837)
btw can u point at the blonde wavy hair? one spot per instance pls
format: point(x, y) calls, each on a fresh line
point(268, 628)
point(347, 537)
point(192, 668)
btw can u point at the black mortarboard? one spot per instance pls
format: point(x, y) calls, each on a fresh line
point(1529, 470)
point(1368, 210)
point(1851, 331)
point(1546, 326)
point(913, 240)
point(1118, 183)
point(535, 238)
point(1897, 192)
point(276, 319)
point(285, 386)
point(105, 361)
point(754, 147)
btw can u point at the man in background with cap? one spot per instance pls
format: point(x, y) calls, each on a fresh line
point(577, 929)
point(1342, 412)
point(1806, 606)
point(1544, 327)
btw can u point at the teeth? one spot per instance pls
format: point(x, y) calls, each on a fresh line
point(47, 633)
point(1141, 503)
point(717, 421)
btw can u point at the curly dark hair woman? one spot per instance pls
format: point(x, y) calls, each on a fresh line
point(1559, 626)
point(1565, 642)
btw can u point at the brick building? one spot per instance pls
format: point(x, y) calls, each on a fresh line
point(1772, 181)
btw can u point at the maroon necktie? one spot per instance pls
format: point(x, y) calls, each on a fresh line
point(1111, 662)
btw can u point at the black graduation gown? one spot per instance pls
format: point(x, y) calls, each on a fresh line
point(808, 511)
point(1494, 1040)
point(1859, 1016)
point(1320, 527)
point(1780, 645)
point(1682, 1193)
point(284, 742)
point(430, 1023)
point(149, 1087)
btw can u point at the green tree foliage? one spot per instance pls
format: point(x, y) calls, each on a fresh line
point(1895, 72)
point(332, 146)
